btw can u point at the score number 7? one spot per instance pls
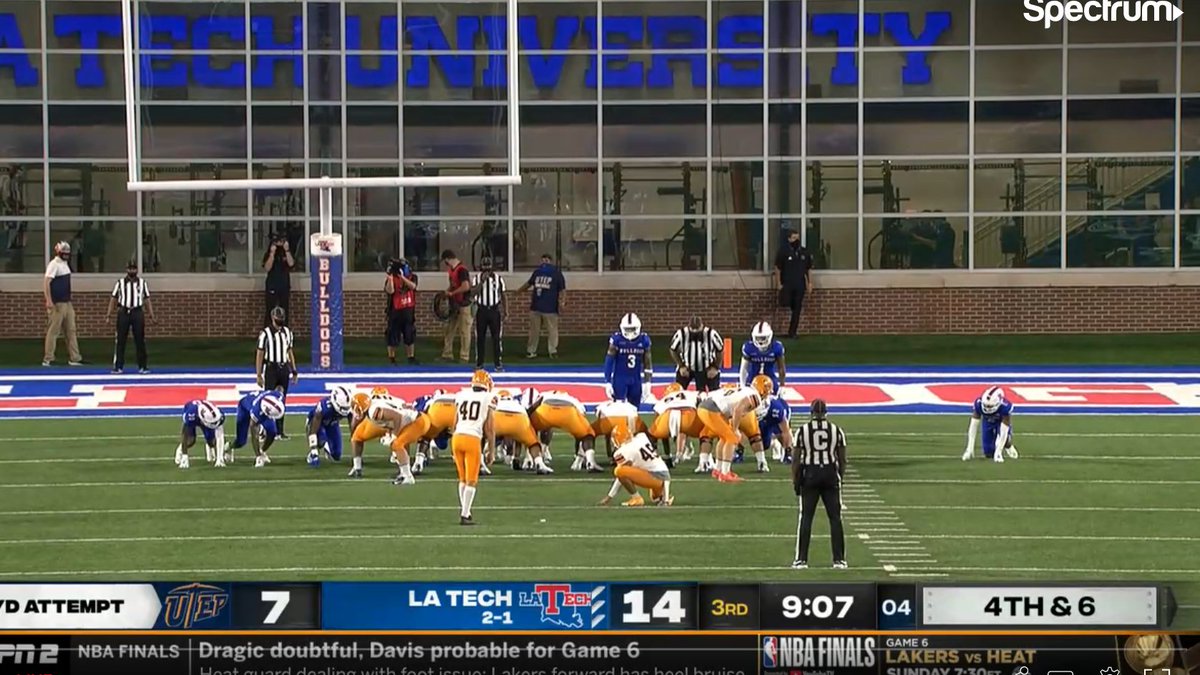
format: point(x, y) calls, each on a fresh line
point(669, 607)
point(279, 601)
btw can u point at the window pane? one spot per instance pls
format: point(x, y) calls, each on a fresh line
point(163, 34)
point(24, 245)
point(1190, 187)
point(375, 201)
point(1190, 76)
point(470, 240)
point(561, 77)
point(654, 189)
point(1018, 127)
point(786, 182)
point(919, 243)
point(195, 203)
point(1121, 184)
point(832, 129)
point(557, 191)
point(97, 247)
point(371, 244)
point(447, 77)
point(1018, 185)
point(72, 77)
point(371, 26)
point(551, 131)
point(655, 244)
point(325, 132)
point(897, 187)
point(195, 246)
point(654, 131)
point(79, 190)
point(372, 132)
point(1002, 22)
point(21, 79)
point(830, 74)
point(833, 187)
point(170, 132)
point(912, 74)
point(737, 187)
point(665, 75)
point(786, 23)
point(939, 22)
point(737, 130)
point(1189, 240)
point(278, 131)
point(282, 204)
point(1191, 27)
point(1121, 71)
point(545, 15)
point(21, 131)
point(1121, 241)
point(21, 193)
point(915, 128)
point(738, 75)
point(1191, 124)
point(833, 242)
point(27, 16)
point(785, 80)
point(456, 201)
point(324, 23)
point(1106, 32)
point(1127, 125)
point(1018, 73)
point(571, 242)
point(738, 243)
point(428, 23)
point(1019, 240)
point(278, 75)
point(85, 131)
point(324, 78)
point(785, 132)
point(455, 132)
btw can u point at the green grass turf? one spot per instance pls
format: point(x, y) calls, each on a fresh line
point(1091, 498)
point(1170, 349)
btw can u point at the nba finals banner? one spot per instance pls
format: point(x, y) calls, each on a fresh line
point(326, 271)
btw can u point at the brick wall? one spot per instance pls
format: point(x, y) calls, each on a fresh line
point(1115, 309)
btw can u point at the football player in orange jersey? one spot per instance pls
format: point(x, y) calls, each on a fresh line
point(362, 428)
point(560, 410)
point(474, 433)
point(727, 415)
point(638, 465)
point(405, 425)
point(513, 425)
point(676, 422)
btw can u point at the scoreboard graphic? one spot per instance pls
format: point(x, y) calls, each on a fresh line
point(581, 628)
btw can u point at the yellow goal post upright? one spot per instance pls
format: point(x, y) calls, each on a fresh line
point(325, 246)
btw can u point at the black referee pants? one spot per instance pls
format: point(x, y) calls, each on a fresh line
point(128, 319)
point(701, 378)
point(792, 297)
point(488, 319)
point(277, 375)
point(821, 484)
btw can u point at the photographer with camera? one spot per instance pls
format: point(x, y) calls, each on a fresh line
point(401, 287)
point(278, 263)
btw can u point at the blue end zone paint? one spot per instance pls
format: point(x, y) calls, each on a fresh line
point(33, 384)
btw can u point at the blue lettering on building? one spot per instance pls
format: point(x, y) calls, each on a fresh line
point(672, 39)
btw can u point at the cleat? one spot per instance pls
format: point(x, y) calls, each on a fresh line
point(716, 473)
point(527, 464)
point(665, 502)
point(968, 455)
point(1011, 451)
point(283, 437)
point(636, 500)
point(228, 457)
point(840, 565)
point(46, 364)
point(546, 455)
point(260, 462)
point(729, 477)
point(220, 463)
point(418, 465)
point(117, 371)
point(466, 520)
point(577, 465)
point(700, 468)
point(544, 471)
point(74, 363)
point(354, 473)
point(763, 468)
point(178, 455)
point(739, 456)
point(404, 480)
point(800, 565)
point(515, 464)
point(184, 462)
point(143, 371)
point(998, 457)
point(210, 454)
point(594, 468)
point(787, 459)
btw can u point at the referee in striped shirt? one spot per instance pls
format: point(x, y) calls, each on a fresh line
point(275, 360)
point(817, 472)
point(129, 297)
point(490, 313)
point(696, 350)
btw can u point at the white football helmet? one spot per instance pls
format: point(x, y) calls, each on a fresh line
point(209, 414)
point(272, 407)
point(339, 398)
point(991, 400)
point(631, 326)
point(530, 398)
point(762, 335)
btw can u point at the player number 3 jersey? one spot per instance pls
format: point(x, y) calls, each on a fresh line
point(639, 453)
point(471, 411)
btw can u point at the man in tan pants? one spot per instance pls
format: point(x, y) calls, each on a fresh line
point(460, 321)
point(547, 299)
point(56, 288)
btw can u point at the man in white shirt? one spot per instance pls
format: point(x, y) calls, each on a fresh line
point(56, 288)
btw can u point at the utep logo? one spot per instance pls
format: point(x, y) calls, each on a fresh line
point(561, 603)
point(770, 651)
point(186, 606)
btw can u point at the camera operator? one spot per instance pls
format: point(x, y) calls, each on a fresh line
point(278, 264)
point(401, 287)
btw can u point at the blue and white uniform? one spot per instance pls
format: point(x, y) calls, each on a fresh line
point(761, 361)
point(991, 424)
point(625, 370)
point(250, 410)
point(192, 421)
point(773, 418)
point(329, 431)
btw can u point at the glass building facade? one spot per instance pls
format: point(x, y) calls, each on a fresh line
point(667, 135)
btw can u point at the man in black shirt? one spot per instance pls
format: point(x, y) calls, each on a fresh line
point(278, 263)
point(793, 277)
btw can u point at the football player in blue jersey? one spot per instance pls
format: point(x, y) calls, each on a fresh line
point(211, 422)
point(762, 354)
point(257, 414)
point(774, 421)
point(325, 426)
point(627, 367)
point(995, 412)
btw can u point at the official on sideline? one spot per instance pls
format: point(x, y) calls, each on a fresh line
point(129, 296)
point(490, 313)
point(696, 350)
point(275, 359)
point(818, 467)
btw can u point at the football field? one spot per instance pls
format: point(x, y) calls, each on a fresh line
point(1100, 498)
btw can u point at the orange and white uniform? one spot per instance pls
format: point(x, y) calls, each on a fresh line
point(441, 413)
point(612, 414)
point(676, 414)
point(560, 410)
point(474, 408)
point(405, 424)
point(511, 421)
point(367, 430)
point(716, 414)
point(638, 464)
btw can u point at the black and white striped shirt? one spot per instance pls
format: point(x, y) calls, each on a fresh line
point(275, 343)
point(817, 441)
point(131, 293)
point(697, 350)
point(489, 291)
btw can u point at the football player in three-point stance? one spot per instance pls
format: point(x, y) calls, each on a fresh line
point(627, 366)
point(724, 414)
point(209, 419)
point(256, 422)
point(676, 422)
point(612, 414)
point(560, 410)
point(325, 425)
point(439, 408)
point(774, 421)
point(405, 426)
point(512, 424)
point(762, 354)
point(995, 413)
point(474, 431)
point(638, 465)
point(363, 429)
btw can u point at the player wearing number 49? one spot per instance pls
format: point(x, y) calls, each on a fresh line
point(211, 422)
point(638, 466)
point(627, 367)
point(996, 415)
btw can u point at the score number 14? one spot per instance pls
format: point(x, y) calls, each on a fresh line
point(669, 608)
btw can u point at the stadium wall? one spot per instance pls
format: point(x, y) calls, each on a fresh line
point(1101, 301)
